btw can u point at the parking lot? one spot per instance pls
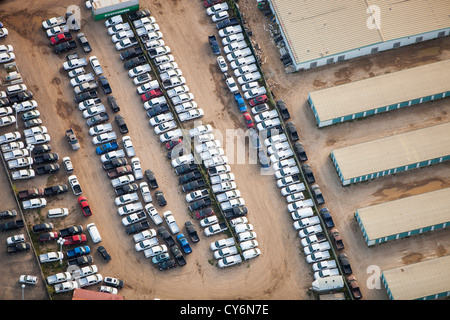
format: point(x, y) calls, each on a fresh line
point(281, 271)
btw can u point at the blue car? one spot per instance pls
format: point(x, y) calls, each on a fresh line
point(184, 243)
point(78, 251)
point(107, 147)
point(240, 102)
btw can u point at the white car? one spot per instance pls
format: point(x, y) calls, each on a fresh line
point(202, 129)
point(95, 64)
point(285, 172)
point(207, 145)
point(145, 192)
point(20, 162)
point(249, 77)
point(53, 22)
point(170, 135)
point(318, 256)
point(182, 98)
point(222, 243)
point(281, 155)
point(126, 199)
point(108, 289)
point(249, 244)
point(163, 59)
point(161, 118)
point(51, 257)
point(245, 236)
point(139, 70)
point(231, 84)
point(324, 265)
point(126, 43)
point(17, 238)
point(302, 212)
point(76, 72)
point(154, 84)
point(128, 146)
point(158, 101)
point(225, 252)
point(57, 213)
point(5, 111)
point(233, 38)
point(215, 161)
point(295, 197)
point(57, 30)
point(7, 120)
point(137, 168)
point(284, 163)
point(122, 180)
point(251, 253)
point(88, 103)
point(197, 195)
point(278, 147)
point(153, 214)
point(28, 279)
point(147, 28)
point(116, 37)
point(113, 21)
point(130, 208)
point(17, 153)
point(212, 230)
point(155, 250)
point(112, 155)
point(216, 8)
point(82, 78)
point(235, 45)
point(223, 187)
point(146, 244)
point(13, 146)
point(74, 63)
point(104, 137)
point(293, 188)
point(143, 21)
point(118, 28)
point(275, 139)
point(144, 235)
point(158, 51)
point(6, 48)
point(229, 261)
point(191, 114)
point(7, 57)
point(209, 221)
point(184, 159)
point(245, 69)
point(167, 66)
point(252, 93)
point(165, 126)
point(177, 91)
point(239, 54)
point(171, 222)
point(150, 44)
point(75, 185)
point(243, 227)
point(186, 106)
point(222, 64)
point(225, 32)
point(10, 136)
point(221, 15)
point(100, 128)
point(66, 286)
point(23, 174)
point(228, 195)
point(133, 218)
point(59, 277)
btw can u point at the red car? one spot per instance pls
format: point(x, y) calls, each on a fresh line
point(248, 120)
point(59, 38)
point(204, 213)
point(75, 239)
point(151, 94)
point(258, 100)
point(173, 143)
point(210, 3)
point(84, 204)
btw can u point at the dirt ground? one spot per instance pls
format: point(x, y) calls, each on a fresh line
point(281, 271)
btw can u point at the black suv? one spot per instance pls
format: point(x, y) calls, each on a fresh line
point(120, 121)
point(160, 197)
point(113, 104)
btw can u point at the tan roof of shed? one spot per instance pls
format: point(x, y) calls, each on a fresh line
point(406, 214)
point(393, 151)
point(381, 91)
point(417, 280)
point(318, 28)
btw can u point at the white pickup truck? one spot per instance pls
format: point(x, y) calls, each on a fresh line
point(315, 247)
point(90, 280)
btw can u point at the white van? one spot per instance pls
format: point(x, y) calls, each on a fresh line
point(15, 89)
point(93, 231)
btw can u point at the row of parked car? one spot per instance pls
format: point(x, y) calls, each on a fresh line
point(173, 251)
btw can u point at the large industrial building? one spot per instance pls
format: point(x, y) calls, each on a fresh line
point(322, 32)
point(425, 280)
point(392, 154)
point(381, 94)
point(405, 217)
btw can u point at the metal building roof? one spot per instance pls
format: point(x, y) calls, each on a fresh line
point(393, 151)
point(382, 91)
point(406, 214)
point(318, 28)
point(418, 280)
